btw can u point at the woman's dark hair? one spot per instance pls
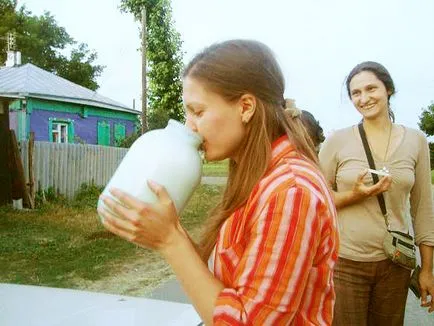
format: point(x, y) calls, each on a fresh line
point(381, 73)
point(313, 127)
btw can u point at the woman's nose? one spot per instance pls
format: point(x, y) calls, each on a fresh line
point(190, 123)
point(364, 98)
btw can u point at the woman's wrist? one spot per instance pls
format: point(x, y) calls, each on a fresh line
point(345, 198)
point(175, 241)
point(426, 267)
point(426, 253)
point(356, 196)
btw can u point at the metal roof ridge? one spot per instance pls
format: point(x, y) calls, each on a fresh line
point(88, 94)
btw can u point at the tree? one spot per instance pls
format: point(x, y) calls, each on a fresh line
point(129, 140)
point(164, 58)
point(41, 42)
point(426, 124)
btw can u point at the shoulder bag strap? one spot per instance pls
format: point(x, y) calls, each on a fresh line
point(371, 162)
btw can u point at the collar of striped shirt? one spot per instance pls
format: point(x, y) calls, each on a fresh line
point(281, 147)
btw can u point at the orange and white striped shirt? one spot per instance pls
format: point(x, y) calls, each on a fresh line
point(276, 254)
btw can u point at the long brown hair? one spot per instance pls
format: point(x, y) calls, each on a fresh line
point(231, 69)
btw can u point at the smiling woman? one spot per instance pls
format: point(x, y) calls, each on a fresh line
point(363, 266)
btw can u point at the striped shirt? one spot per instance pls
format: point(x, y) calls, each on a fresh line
point(275, 255)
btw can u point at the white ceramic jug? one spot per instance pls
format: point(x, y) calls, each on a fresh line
point(169, 157)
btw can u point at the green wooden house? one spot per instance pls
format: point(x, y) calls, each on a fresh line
point(57, 110)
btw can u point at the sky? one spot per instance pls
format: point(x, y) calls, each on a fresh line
point(316, 42)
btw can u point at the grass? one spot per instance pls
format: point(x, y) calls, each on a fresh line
point(63, 244)
point(216, 169)
point(52, 245)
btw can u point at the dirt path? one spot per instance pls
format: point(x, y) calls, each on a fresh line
point(137, 278)
point(214, 180)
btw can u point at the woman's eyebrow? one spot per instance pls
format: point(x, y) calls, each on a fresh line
point(194, 106)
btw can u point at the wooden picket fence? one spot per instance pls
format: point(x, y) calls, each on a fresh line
point(65, 167)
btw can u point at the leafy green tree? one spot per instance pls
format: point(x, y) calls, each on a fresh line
point(426, 124)
point(164, 57)
point(431, 155)
point(42, 42)
point(79, 67)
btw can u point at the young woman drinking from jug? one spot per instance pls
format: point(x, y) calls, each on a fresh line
point(269, 247)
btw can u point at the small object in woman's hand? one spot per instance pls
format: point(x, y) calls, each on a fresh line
point(379, 172)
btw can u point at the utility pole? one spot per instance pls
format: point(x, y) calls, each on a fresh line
point(144, 88)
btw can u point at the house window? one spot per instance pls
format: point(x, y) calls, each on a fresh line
point(61, 131)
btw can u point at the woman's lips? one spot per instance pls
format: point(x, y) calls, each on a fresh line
point(368, 107)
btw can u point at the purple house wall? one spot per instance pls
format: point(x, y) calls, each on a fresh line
point(84, 128)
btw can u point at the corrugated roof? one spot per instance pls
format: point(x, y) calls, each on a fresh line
point(31, 81)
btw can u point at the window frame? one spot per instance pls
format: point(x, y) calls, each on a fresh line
point(69, 123)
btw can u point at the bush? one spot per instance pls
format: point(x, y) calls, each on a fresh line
point(49, 195)
point(87, 196)
point(129, 140)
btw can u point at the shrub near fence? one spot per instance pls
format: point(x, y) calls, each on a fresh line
point(65, 167)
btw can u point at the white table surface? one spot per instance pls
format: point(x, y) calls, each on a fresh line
point(43, 306)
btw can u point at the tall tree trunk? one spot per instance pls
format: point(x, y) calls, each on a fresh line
point(144, 90)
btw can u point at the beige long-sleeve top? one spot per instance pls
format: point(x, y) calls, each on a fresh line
point(362, 227)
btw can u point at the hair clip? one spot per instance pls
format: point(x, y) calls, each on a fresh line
point(291, 109)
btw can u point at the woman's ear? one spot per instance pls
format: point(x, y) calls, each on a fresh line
point(247, 107)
